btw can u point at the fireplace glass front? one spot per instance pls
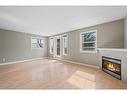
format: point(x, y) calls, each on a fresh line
point(112, 66)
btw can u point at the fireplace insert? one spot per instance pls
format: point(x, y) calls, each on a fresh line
point(112, 66)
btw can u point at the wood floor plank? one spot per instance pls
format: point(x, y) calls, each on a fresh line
point(54, 74)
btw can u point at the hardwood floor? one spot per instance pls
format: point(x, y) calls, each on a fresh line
point(54, 74)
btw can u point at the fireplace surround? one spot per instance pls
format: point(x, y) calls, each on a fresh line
point(112, 66)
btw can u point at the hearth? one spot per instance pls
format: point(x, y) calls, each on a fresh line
point(112, 66)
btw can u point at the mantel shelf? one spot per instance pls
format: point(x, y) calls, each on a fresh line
point(113, 49)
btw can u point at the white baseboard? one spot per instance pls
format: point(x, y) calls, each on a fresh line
point(78, 63)
point(15, 62)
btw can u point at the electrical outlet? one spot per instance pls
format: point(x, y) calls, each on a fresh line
point(4, 59)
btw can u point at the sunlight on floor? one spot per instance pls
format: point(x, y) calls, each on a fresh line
point(52, 61)
point(82, 79)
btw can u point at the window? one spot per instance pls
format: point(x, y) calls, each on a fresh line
point(51, 45)
point(37, 43)
point(88, 41)
point(65, 44)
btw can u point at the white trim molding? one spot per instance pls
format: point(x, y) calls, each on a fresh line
point(97, 67)
point(63, 46)
point(50, 47)
point(21, 61)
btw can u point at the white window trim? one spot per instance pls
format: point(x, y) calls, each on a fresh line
point(63, 44)
point(37, 38)
point(50, 44)
point(86, 51)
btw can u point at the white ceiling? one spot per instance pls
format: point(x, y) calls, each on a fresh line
point(47, 20)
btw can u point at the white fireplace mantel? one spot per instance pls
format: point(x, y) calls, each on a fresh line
point(113, 49)
point(117, 54)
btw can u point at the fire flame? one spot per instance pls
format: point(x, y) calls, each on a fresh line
point(112, 67)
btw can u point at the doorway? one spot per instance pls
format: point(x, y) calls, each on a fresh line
point(58, 46)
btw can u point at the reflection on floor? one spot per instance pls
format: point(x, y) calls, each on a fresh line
point(54, 74)
point(82, 80)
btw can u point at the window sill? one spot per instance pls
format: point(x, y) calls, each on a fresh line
point(89, 51)
point(65, 54)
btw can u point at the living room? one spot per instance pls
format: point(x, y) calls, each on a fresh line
point(63, 47)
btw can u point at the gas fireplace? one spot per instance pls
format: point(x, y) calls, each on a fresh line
point(112, 66)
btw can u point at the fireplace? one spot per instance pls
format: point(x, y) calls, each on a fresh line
point(112, 66)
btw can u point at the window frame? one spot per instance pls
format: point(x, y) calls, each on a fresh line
point(42, 39)
point(50, 45)
point(63, 44)
point(88, 51)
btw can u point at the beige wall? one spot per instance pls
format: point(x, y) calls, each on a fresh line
point(109, 35)
point(1, 48)
point(125, 34)
point(16, 46)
